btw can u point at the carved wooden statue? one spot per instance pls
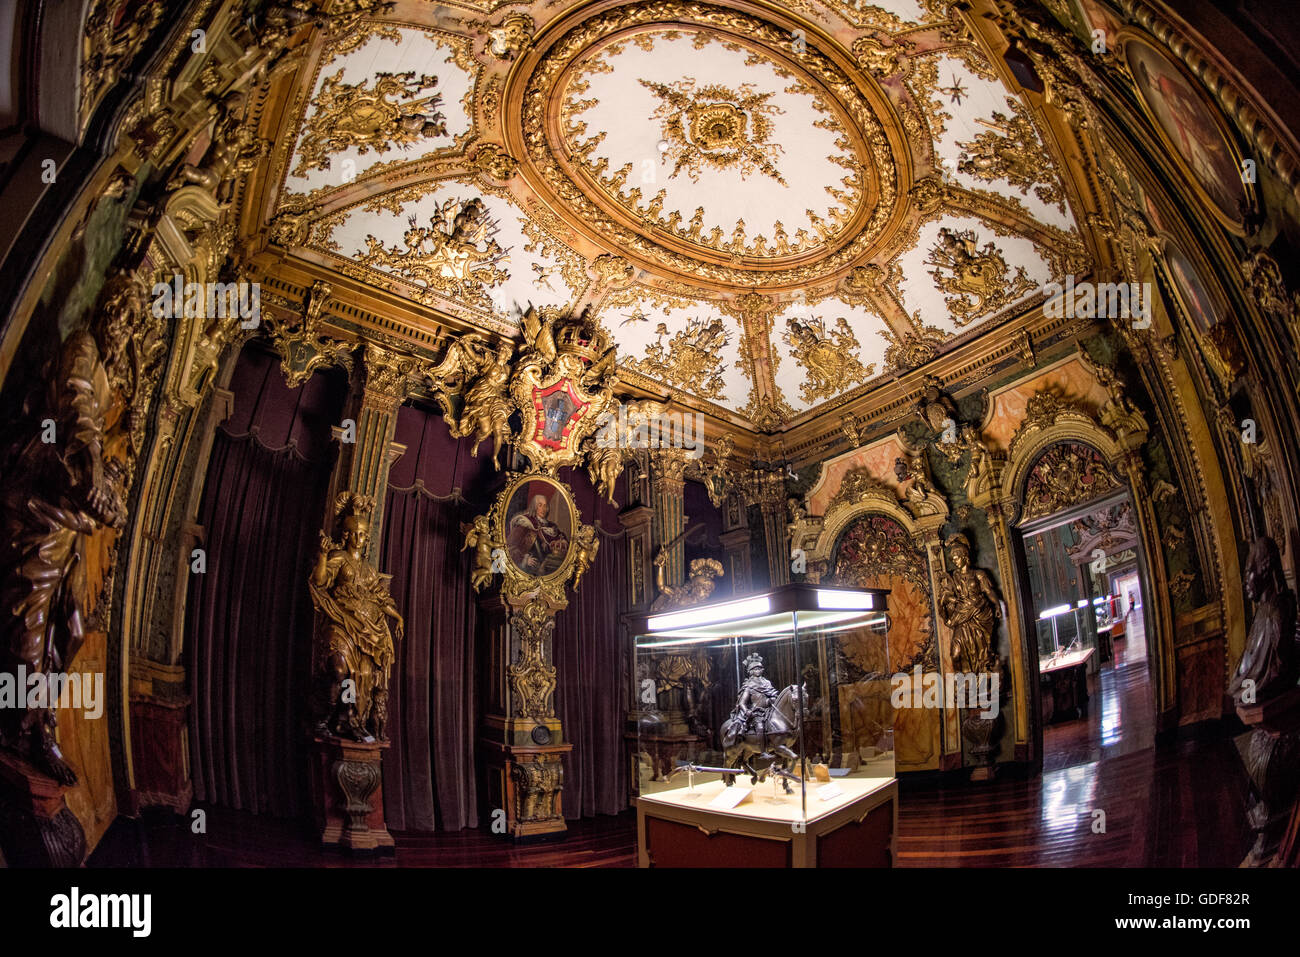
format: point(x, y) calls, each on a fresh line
point(66, 489)
point(971, 607)
point(68, 485)
point(1269, 665)
point(355, 644)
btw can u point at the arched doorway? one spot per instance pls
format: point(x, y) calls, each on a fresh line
point(1084, 591)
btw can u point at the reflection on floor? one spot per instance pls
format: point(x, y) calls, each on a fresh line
point(1180, 805)
point(238, 839)
point(1133, 646)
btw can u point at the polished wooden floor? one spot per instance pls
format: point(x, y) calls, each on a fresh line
point(1179, 805)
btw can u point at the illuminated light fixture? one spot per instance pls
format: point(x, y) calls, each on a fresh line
point(1053, 612)
point(855, 601)
point(711, 615)
point(1081, 603)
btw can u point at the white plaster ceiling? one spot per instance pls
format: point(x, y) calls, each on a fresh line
point(422, 52)
point(921, 293)
point(647, 101)
point(628, 86)
point(536, 269)
point(644, 327)
point(867, 329)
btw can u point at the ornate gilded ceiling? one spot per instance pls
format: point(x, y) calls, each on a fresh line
point(770, 207)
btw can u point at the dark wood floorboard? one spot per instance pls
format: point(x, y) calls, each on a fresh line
point(1179, 805)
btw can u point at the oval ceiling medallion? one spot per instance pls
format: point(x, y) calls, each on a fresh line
point(705, 143)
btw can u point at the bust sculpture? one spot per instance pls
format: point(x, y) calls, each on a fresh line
point(1269, 663)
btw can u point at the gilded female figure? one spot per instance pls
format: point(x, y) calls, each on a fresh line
point(356, 644)
point(971, 607)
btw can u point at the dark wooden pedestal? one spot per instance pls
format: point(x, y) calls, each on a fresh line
point(348, 794)
point(37, 828)
point(526, 782)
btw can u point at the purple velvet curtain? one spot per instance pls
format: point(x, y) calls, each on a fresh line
point(707, 542)
point(249, 616)
point(429, 769)
point(591, 654)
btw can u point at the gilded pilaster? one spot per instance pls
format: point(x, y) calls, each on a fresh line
point(365, 446)
point(668, 483)
point(1021, 689)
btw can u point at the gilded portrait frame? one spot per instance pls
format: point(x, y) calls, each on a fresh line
point(518, 581)
point(1130, 39)
point(1213, 333)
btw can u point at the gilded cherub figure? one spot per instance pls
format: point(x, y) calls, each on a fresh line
point(478, 536)
point(585, 546)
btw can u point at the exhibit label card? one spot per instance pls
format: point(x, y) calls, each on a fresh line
point(732, 797)
point(828, 792)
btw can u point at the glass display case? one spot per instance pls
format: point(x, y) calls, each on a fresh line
point(771, 710)
point(1068, 629)
point(1067, 654)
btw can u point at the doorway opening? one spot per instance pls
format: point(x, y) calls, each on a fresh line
point(1087, 587)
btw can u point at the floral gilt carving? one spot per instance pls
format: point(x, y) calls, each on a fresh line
point(393, 113)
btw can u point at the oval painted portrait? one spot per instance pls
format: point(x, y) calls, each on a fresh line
point(1191, 131)
point(1196, 299)
point(539, 527)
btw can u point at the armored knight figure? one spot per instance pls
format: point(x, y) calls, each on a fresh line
point(694, 591)
point(757, 695)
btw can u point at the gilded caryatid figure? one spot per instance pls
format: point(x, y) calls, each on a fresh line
point(355, 648)
point(971, 607)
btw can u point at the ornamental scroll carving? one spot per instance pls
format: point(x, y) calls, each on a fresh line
point(1064, 476)
point(532, 677)
point(877, 545)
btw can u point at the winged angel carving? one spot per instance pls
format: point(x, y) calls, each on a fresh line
point(456, 254)
point(480, 374)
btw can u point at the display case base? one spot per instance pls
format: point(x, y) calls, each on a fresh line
point(679, 828)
